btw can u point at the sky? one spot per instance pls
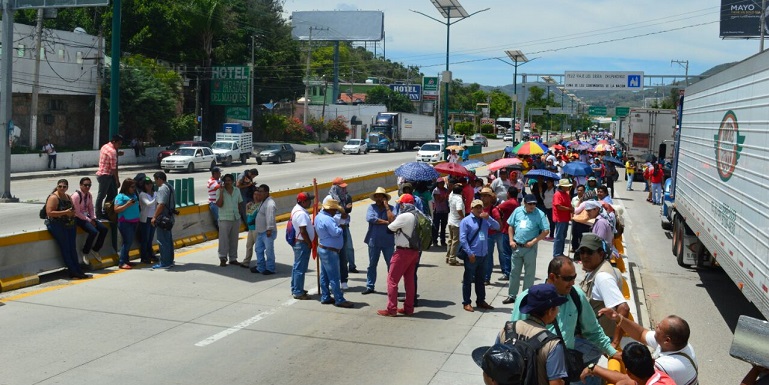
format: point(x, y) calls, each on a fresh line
point(555, 35)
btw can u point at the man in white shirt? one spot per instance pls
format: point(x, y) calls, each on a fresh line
point(266, 233)
point(456, 213)
point(500, 186)
point(305, 234)
point(670, 340)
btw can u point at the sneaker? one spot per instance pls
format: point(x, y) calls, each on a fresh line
point(255, 270)
point(159, 266)
point(222, 262)
point(95, 255)
point(345, 304)
point(329, 301)
point(354, 270)
point(345, 286)
point(385, 313)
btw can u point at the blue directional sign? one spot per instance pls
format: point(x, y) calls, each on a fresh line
point(634, 81)
point(413, 92)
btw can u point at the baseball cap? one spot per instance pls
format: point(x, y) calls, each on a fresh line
point(476, 202)
point(216, 169)
point(304, 196)
point(529, 198)
point(501, 362)
point(406, 198)
point(339, 181)
point(440, 180)
point(590, 241)
point(541, 297)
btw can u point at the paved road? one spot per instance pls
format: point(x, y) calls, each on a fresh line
point(707, 298)
point(33, 190)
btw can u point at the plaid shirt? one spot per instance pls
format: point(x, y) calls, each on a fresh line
point(107, 159)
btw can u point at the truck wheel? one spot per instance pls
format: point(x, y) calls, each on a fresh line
point(243, 158)
point(191, 167)
point(674, 233)
point(679, 244)
point(228, 161)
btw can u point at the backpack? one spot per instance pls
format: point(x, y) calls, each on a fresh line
point(422, 236)
point(525, 352)
point(290, 231)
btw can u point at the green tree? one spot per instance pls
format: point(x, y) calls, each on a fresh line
point(501, 104)
point(394, 101)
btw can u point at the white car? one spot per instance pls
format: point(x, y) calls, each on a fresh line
point(507, 138)
point(430, 153)
point(355, 146)
point(189, 159)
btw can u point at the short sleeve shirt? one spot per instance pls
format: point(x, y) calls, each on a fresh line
point(561, 198)
point(676, 365)
point(456, 203)
point(606, 290)
point(299, 218)
point(527, 225)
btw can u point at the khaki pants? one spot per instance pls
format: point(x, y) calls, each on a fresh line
point(250, 241)
point(453, 244)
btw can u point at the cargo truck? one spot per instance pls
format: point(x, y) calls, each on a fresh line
point(233, 146)
point(647, 129)
point(399, 131)
point(717, 195)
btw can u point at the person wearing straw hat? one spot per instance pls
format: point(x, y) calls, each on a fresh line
point(330, 243)
point(379, 240)
point(562, 210)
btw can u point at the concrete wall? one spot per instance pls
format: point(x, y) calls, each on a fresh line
point(23, 257)
point(79, 159)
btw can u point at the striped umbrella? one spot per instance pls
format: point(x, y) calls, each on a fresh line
point(528, 148)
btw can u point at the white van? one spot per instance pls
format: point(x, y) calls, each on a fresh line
point(430, 153)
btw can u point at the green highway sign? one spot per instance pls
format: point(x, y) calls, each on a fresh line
point(239, 113)
point(613, 118)
point(597, 111)
point(622, 111)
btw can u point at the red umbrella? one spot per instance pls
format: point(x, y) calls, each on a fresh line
point(452, 169)
point(502, 163)
point(558, 147)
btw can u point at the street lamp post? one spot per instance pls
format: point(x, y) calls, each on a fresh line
point(449, 9)
point(517, 57)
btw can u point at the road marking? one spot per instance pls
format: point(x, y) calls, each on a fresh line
point(248, 322)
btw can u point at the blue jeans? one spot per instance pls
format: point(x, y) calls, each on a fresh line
point(522, 258)
point(561, 228)
point(590, 354)
point(629, 181)
point(657, 193)
point(504, 250)
point(329, 275)
point(97, 232)
point(166, 244)
point(128, 233)
point(214, 209)
point(373, 262)
point(347, 255)
point(65, 237)
point(301, 260)
point(489, 267)
point(146, 235)
point(474, 272)
point(265, 251)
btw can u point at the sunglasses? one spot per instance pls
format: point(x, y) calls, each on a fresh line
point(62, 186)
point(568, 278)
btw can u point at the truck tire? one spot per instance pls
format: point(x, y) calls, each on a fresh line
point(674, 235)
point(191, 167)
point(243, 158)
point(228, 161)
point(679, 252)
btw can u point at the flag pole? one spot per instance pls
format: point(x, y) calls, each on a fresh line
point(315, 241)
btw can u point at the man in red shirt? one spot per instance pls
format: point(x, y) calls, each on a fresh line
point(107, 174)
point(562, 210)
point(468, 195)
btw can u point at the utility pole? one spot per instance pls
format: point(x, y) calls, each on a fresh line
point(97, 102)
point(251, 88)
point(6, 102)
point(307, 80)
point(762, 24)
point(685, 64)
point(36, 80)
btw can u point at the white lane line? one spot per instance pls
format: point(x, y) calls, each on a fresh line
point(248, 322)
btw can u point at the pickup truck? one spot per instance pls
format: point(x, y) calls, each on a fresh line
point(229, 146)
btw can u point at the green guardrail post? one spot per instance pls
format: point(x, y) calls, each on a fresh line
point(190, 191)
point(178, 193)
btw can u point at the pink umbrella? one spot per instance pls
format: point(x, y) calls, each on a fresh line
point(502, 163)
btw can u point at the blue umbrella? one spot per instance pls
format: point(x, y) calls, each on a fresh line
point(613, 160)
point(417, 171)
point(543, 173)
point(577, 169)
point(472, 164)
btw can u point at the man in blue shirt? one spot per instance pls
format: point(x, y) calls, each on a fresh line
point(474, 241)
point(330, 242)
point(379, 240)
point(528, 226)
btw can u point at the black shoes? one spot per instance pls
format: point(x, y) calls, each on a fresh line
point(354, 271)
point(329, 301)
point(267, 272)
point(509, 300)
point(368, 291)
point(254, 270)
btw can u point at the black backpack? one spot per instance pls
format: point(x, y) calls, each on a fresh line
point(525, 352)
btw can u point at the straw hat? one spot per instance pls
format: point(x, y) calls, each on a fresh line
point(331, 204)
point(487, 191)
point(380, 191)
point(564, 183)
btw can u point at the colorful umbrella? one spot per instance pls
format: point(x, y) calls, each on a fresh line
point(455, 148)
point(602, 148)
point(577, 169)
point(417, 171)
point(452, 169)
point(503, 163)
point(528, 148)
point(543, 173)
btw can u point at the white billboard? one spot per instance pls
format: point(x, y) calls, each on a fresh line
point(338, 25)
point(604, 80)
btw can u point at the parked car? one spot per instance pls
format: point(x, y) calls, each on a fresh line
point(177, 145)
point(277, 153)
point(480, 140)
point(189, 159)
point(507, 138)
point(355, 146)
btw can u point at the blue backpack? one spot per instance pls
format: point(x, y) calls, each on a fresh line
point(290, 232)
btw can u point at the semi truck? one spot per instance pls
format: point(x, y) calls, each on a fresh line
point(231, 146)
point(399, 131)
point(717, 193)
point(647, 130)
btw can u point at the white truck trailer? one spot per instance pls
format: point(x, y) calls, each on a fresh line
point(719, 189)
point(647, 129)
point(400, 131)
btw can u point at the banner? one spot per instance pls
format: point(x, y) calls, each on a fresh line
point(741, 19)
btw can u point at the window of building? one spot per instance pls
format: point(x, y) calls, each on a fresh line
point(20, 50)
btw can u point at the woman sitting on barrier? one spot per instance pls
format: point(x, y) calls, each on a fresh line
point(127, 209)
point(60, 221)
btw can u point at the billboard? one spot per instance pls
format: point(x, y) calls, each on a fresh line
point(604, 80)
point(413, 92)
point(338, 25)
point(430, 88)
point(24, 4)
point(230, 86)
point(741, 19)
